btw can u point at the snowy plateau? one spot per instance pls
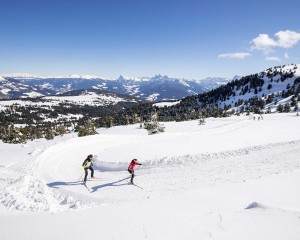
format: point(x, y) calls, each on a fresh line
point(232, 178)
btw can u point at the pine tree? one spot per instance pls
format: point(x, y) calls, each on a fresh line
point(279, 108)
point(49, 134)
point(287, 108)
point(87, 129)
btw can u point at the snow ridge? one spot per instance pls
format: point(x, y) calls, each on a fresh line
point(31, 193)
point(188, 159)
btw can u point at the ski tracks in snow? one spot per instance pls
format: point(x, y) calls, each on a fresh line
point(191, 172)
point(28, 192)
point(51, 178)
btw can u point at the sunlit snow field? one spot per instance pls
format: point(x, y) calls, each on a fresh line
point(232, 178)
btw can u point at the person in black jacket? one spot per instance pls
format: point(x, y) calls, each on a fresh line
point(88, 164)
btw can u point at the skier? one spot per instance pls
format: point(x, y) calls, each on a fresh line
point(133, 163)
point(88, 164)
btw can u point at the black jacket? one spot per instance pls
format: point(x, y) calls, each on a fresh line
point(87, 163)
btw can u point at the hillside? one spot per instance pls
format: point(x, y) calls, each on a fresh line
point(66, 109)
point(13, 88)
point(275, 89)
point(269, 87)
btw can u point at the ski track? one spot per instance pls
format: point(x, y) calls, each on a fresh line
point(52, 183)
point(233, 178)
point(196, 171)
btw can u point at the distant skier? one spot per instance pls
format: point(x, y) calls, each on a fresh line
point(261, 117)
point(88, 164)
point(133, 163)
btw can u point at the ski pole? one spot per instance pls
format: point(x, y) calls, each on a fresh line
point(80, 177)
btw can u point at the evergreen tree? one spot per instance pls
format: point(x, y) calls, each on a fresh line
point(87, 129)
point(49, 134)
point(287, 108)
point(279, 108)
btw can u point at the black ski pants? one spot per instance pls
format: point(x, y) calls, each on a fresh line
point(86, 172)
point(132, 175)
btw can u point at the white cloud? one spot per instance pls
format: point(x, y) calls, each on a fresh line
point(286, 56)
point(237, 55)
point(263, 43)
point(285, 39)
point(273, 59)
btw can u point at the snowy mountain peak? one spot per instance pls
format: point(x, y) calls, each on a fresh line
point(163, 78)
point(82, 76)
point(285, 69)
point(121, 78)
point(20, 75)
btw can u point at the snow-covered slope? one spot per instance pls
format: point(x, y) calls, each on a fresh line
point(79, 97)
point(69, 105)
point(91, 97)
point(275, 83)
point(233, 178)
point(211, 83)
point(12, 88)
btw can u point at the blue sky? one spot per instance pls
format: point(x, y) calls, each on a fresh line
point(186, 38)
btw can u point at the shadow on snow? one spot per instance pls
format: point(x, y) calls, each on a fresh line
point(112, 184)
point(56, 184)
point(94, 189)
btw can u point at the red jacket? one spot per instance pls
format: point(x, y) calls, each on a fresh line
point(133, 164)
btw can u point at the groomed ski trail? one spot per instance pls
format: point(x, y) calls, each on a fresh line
point(161, 174)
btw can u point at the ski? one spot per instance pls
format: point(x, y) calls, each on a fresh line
point(135, 185)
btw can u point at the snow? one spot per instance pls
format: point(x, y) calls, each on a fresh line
point(133, 89)
point(277, 88)
point(6, 103)
point(46, 85)
point(90, 98)
point(20, 75)
point(81, 76)
point(168, 104)
point(5, 90)
point(33, 94)
point(28, 75)
point(183, 82)
point(233, 178)
point(152, 97)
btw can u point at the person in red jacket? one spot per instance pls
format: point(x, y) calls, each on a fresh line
point(133, 163)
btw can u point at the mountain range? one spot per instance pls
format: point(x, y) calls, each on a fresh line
point(276, 89)
point(157, 88)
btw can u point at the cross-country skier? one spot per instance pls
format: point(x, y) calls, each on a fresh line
point(133, 163)
point(88, 164)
